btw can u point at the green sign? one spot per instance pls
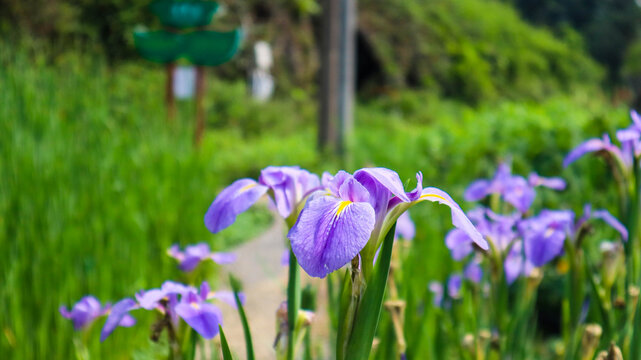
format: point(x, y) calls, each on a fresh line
point(184, 14)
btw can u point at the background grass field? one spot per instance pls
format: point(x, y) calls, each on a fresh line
point(95, 184)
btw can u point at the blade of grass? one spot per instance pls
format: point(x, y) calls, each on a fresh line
point(224, 345)
point(235, 285)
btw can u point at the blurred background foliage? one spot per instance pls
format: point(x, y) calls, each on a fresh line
point(456, 47)
point(95, 184)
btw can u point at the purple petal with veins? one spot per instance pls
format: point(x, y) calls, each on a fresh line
point(330, 232)
point(235, 199)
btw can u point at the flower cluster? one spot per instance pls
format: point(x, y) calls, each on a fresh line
point(333, 220)
point(172, 300)
point(86, 310)
point(524, 242)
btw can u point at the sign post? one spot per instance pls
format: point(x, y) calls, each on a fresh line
point(200, 47)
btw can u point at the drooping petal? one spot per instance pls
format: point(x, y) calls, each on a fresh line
point(202, 317)
point(459, 219)
point(235, 199)
point(612, 221)
point(116, 315)
point(330, 232)
point(588, 146)
point(594, 145)
point(459, 243)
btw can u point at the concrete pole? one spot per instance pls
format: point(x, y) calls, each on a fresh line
point(337, 74)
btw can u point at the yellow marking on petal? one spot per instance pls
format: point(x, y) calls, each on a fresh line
point(342, 207)
point(548, 232)
point(195, 305)
point(433, 195)
point(247, 187)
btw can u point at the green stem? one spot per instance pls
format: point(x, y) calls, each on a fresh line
point(293, 302)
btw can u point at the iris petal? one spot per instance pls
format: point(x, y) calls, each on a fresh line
point(329, 233)
point(235, 199)
point(116, 316)
point(202, 317)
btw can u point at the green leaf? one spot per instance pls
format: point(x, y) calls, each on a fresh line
point(369, 310)
point(224, 345)
point(235, 285)
point(346, 311)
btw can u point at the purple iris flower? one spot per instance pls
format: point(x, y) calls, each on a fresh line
point(84, 312)
point(516, 190)
point(544, 234)
point(177, 301)
point(202, 316)
point(194, 254)
point(336, 224)
point(288, 186)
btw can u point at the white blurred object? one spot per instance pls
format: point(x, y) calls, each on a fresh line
point(263, 55)
point(184, 82)
point(262, 84)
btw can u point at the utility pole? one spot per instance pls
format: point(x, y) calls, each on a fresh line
point(337, 74)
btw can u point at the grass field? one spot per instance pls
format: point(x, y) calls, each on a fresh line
point(95, 184)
